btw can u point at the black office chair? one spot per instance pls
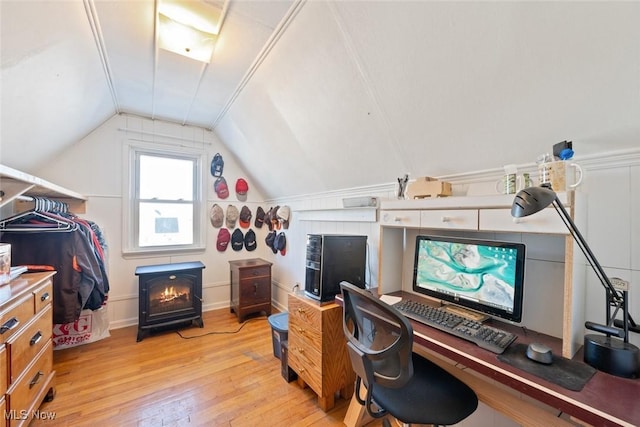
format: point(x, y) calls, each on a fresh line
point(398, 382)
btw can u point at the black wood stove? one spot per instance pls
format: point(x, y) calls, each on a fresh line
point(169, 295)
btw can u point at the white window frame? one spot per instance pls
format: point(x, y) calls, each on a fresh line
point(130, 244)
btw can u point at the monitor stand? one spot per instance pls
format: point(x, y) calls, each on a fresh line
point(467, 314)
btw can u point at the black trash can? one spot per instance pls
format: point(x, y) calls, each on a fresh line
point(279, 331)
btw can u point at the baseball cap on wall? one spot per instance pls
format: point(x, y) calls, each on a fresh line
point(221, 188)
point(270, 240)
point(280, 243)
point(232, 216)
point(237, 240)
point(217, 165)
point(259, 217)
point(283, 215)
point(223, 239)
point(250, 243)
point(241, 189)
point(216, 215)
point(245, 217)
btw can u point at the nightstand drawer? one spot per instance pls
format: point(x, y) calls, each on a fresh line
point(261, 271)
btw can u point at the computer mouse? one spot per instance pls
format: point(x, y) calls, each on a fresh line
point(539, 353)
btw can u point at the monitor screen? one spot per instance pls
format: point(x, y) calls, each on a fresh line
point(483, 275)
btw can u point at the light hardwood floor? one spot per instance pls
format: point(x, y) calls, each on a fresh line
point(213, 379)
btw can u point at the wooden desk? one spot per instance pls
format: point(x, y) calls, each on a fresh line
point(606, 400)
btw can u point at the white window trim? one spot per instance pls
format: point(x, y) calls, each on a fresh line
point(129, 227)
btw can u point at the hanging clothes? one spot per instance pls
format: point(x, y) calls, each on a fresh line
point(68, 245)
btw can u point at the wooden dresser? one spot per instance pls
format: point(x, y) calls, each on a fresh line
point(26, 353)
point(317, 349)
point(250, 287)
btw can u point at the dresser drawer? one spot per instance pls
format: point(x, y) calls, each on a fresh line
point(31, 386)
point(304, 313)
point(17, 315)
point(23, 347)
point(43, 295)
point(255, 291)
point(305, 331)
point(306, 361)
point(400, 218)
point(455, 219)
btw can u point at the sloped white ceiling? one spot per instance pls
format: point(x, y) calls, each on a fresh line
point(315, 96)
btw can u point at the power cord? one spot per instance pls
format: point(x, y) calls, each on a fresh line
point(221, 332)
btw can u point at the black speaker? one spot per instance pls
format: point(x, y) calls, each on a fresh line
point(612, 355)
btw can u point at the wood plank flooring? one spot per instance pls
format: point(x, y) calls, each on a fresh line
point(211, 379)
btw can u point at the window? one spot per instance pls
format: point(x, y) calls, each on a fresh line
point(165, 201)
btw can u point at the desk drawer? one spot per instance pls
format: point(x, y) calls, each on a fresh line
point(400, 218)
point(24, 346)
point(16, 316)
point(457, 219)
point(306, 332)
point(546, 221)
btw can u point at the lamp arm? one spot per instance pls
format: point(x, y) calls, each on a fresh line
point(586, 250)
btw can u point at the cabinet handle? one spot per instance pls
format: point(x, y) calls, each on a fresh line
point(9, 324)
point(301, 330)
point(302, 370)
point(446, 219)
point(300, 310)
point(36, 379)
point(255, 287)
point(300, 350)
point(397, 218)
point(34, 339)
point(45, 296)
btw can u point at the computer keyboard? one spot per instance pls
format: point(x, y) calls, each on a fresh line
point(487, 337)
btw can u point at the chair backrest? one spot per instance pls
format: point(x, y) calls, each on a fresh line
point(379, 339)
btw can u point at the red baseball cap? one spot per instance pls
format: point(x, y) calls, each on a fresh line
point(223, 239)
point(241, 189)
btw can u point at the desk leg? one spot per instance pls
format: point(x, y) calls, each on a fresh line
point(357, 414)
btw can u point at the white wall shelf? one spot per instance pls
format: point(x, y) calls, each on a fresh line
point(15, 184)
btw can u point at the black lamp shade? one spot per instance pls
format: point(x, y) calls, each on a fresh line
point(531, 200)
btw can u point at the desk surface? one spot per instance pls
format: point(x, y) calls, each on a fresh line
point(605, 400)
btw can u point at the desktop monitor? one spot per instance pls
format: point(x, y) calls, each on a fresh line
point(486, 276)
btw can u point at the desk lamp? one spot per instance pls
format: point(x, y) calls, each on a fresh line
point(611, 353)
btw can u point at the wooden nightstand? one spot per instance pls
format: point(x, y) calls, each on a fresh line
point(318, 350)
point(250, 287)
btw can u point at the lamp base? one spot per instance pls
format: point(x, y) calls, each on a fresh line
point(612, 355)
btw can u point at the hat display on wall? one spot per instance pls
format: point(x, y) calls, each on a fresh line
point(270, 241)
point(237, 240)
point(259, 217)
point(283, 216)
point(223, 239)
point(232, 216)
point(241, 189)
point(245, 217)
point(221, 188)
point(273, 218)
point(216, 215)
point(217, 165)
point(280, 243)
point(250, 243)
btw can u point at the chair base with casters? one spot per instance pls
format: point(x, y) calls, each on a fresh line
point(397, 381)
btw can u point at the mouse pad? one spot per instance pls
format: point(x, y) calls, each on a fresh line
point(566, 373)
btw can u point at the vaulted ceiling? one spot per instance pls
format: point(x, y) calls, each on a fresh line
point(315, 95)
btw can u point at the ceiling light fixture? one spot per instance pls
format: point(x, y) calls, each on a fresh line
point(188, 28)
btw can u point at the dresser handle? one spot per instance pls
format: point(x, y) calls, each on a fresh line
point(255, 286)
point(301, 330)
point(45, 296)
point(34, 339)
point(300, 350)
point(9, 324)
point(300, 310)
point(36, 379)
